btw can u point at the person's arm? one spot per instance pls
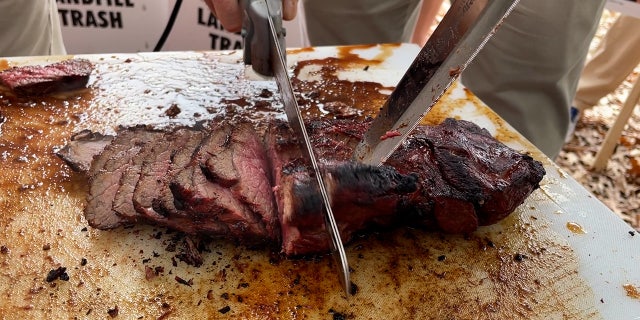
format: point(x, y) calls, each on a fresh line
point(230, 14)
point(426, 18)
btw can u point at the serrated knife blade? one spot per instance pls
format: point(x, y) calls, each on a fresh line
point(294, 116)
point(465, 28)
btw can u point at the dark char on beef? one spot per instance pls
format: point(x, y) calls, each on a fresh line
point(256, 187)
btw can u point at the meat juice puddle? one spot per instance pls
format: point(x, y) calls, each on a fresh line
point(575, 228)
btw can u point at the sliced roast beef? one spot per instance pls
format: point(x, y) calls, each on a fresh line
point(217, 163)
point(205, 199)
point(41, 80)
point(254, 184)
point(180, 157)
point(287, 168)
point(123, 201)
point(235, 158)
point(166, 209)
point(156, 170)
point(105, 174)
point(160, 205)
point(227, 182)
point(84, 145)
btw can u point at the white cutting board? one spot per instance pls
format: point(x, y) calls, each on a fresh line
point(567, 275)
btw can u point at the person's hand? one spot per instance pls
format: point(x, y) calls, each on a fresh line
point(230, 14)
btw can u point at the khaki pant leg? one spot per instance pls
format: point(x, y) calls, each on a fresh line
point(615, 58)
point(528, 72)
point(344, 22)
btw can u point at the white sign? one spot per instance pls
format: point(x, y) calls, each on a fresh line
point(196, 28)
point(127, 26)
point(113, 26)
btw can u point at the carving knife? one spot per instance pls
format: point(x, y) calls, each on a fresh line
point(263, 15)
point(465, 28)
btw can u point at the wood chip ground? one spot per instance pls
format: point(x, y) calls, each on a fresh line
point(617, 186)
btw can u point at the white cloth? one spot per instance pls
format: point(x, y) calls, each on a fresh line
point(29, 28)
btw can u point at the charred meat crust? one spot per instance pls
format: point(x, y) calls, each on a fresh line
point(468, 178)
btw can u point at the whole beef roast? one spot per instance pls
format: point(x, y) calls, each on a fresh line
point(467, 177)
point(255, 186)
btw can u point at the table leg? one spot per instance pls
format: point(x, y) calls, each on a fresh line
point(613, 135)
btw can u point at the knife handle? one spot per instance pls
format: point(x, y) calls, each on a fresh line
point(257, 36)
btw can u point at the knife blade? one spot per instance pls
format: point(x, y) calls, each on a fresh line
point(256, 34)
point(465, 28)
point(279, 69)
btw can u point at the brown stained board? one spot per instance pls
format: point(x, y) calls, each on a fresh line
point(517, 269)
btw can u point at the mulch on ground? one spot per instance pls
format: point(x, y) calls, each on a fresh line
point(618, 185)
